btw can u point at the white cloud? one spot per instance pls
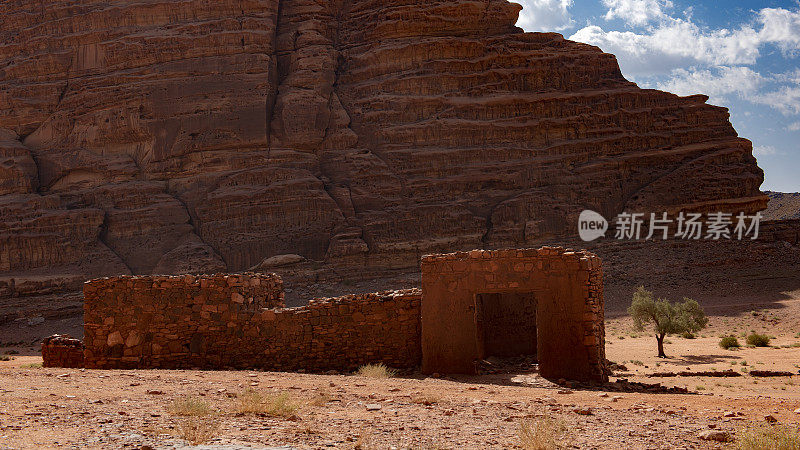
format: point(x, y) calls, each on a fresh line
point(545, 15)
point(718, 83)
point(675, 42)
point(793, 126)
point(636, 12)
point(781, 27)
point(764, 150)
point(785, 99)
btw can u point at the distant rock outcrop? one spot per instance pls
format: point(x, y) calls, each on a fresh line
point(782, 206)
point(162, 136)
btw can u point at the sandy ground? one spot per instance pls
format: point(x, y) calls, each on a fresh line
point(70, 408)
point(56, 408)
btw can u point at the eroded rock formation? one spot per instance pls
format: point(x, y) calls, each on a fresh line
point(196, 136)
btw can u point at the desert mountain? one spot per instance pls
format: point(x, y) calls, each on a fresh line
point(195, 136)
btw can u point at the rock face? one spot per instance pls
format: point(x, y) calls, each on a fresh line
point(196, 136)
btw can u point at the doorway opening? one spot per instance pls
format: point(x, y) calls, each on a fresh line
point(507, 333)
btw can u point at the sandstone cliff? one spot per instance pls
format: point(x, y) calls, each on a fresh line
point(175, 136)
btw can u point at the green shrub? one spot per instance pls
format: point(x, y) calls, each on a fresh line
point(758, 340)
point(729, 342)
point(688, 335)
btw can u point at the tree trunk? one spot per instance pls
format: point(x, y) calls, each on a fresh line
point(660, 339)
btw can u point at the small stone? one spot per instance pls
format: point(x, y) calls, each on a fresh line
point(729, 414)
point(715, 435)
point(154, 392)
point(770, 418)
point(373, 407)
point(603, 395)
point(583, 411)
point(564, 391)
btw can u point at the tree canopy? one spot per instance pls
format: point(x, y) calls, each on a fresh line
point(666, 317)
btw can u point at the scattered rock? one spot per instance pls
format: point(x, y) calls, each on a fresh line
point(374, 407)
point(770, 419)
point(715, 435)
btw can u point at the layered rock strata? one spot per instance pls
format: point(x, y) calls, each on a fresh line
point(175, 137)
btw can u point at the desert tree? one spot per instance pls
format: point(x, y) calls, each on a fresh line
point(666, 317)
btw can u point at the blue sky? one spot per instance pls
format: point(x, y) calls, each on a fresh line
point(745, 55)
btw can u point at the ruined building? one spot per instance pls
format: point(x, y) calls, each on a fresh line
point(546, 303)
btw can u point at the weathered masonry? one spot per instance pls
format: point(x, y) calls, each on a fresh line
point(546, 303)
point(238, 321)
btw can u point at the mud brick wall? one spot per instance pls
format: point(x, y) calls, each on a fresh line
point(62, 351)
point(238, 321)
point(566, 286)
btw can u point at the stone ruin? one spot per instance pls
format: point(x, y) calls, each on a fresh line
point(545, 303)
point(62, 351)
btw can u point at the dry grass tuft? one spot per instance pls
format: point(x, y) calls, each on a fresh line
point(364, 442)
point(271, 405)
point(775, 437)
point(426, 399)
point(542, 434)
point(190, 407)
point(197, 431)
point(376, 371)
point(321, 399)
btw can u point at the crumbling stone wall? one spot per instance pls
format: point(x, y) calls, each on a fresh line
point(238, 321)
point(566, 286)
point(471, 304)
point(62, 351)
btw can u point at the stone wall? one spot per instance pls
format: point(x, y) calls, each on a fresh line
point(62, 351)
point(238, 321)
point(566, 286)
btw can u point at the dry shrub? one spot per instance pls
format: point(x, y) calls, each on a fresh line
point(426, 399)
point(190, 407)
point(364, 442)
point(729, 342)
point(542, 434)
point(758, 340)
point(271, 405)
point(321, 398)
point(376, 371)
point(196, 430)
point(774, 437)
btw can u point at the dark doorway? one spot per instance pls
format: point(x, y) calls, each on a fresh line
point(506, 324)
